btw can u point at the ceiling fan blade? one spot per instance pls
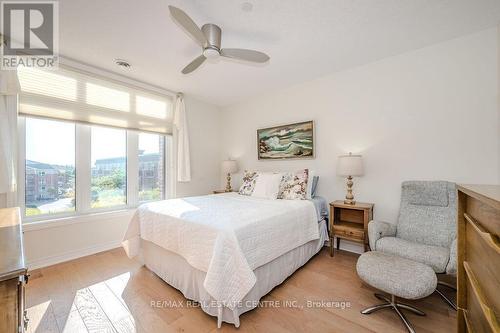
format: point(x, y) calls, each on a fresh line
point(188, 24)
point(243, 54)
point(194, 64)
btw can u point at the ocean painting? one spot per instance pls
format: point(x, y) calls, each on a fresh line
point(287, 141)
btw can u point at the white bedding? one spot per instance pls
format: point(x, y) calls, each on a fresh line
point(225, 235)
point(189, 280)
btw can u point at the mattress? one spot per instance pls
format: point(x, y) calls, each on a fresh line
point(190, 280)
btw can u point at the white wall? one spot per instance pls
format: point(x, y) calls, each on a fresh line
point(427, 114)
point(74, 237)
point(70, 238)
point(205, 135)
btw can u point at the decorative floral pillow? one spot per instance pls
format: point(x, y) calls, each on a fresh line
point(294, 185)
point(249, 178)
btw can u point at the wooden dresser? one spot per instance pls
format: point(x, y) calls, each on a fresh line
point(478, 258)
point(12, 273)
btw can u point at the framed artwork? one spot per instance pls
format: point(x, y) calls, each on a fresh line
point(286, 141)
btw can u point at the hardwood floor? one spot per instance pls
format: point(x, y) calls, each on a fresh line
point(107, 292)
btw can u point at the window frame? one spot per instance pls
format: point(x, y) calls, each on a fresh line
point(83, 173)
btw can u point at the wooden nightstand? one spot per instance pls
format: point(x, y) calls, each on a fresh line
point(350, 222)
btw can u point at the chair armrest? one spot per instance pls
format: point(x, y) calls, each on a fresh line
point(451, 268)
point(379, 229)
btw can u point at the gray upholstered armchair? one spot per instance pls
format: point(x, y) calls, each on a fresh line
point(426, 227)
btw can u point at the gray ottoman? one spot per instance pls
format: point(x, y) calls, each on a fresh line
point(398, 277)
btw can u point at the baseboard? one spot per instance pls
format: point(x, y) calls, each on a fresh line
point(75, 254)
point(349, 246)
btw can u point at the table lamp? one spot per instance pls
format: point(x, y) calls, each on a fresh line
point(229, 167)
point(349, 166)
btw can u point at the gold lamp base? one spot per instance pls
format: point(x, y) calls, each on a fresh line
point(349, 197)
point(228, 184)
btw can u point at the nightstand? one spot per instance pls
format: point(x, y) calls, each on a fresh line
point(350, 222)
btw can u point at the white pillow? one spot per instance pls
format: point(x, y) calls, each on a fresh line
point(267, 185)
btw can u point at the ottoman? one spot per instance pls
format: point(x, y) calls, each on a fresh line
point(398, 277)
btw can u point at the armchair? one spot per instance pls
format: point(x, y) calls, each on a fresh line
point(426, 228)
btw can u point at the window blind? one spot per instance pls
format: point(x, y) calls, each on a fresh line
point(68, 94)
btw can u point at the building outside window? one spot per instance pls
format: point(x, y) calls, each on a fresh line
point(151, 167)
point(49, 167)
point(109, 168)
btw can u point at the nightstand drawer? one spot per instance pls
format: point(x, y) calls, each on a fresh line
point(349, 232)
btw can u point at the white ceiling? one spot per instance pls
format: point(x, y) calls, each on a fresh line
point(304, 38)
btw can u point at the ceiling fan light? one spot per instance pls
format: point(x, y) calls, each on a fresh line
point(211, 53)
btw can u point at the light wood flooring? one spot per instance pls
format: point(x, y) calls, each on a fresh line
point(107, 292)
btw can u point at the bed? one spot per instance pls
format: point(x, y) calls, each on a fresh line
point(226, 251)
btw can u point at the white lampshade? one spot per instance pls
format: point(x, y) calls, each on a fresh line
point(350, 165)
point(229, 166)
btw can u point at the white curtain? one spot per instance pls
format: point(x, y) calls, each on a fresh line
point(182, 140)
point(9, 88)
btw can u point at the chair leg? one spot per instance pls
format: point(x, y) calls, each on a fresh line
point(446, 284)
point(446, 299)
point(392, 304)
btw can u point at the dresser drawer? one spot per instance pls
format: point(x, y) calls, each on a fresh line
point(483, 260)
point(479, 315)
point(478, 248)
point(488, 216)
point(348, 232)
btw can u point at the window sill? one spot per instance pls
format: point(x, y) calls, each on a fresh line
point(68, 220)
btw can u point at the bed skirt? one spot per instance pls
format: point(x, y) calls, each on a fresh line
point(175, 271)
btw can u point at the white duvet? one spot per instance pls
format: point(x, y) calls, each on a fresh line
point(225, 235)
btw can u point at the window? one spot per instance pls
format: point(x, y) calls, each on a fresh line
point(61, 155)
point(151, 167)
point(49, 167)
point(46, 83)
point(84, 146)
point(109, 167)
point(110, 98)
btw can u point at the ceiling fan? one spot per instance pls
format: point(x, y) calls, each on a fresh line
point(209, 38)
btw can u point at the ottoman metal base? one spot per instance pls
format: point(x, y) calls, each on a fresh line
point(396, 306)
